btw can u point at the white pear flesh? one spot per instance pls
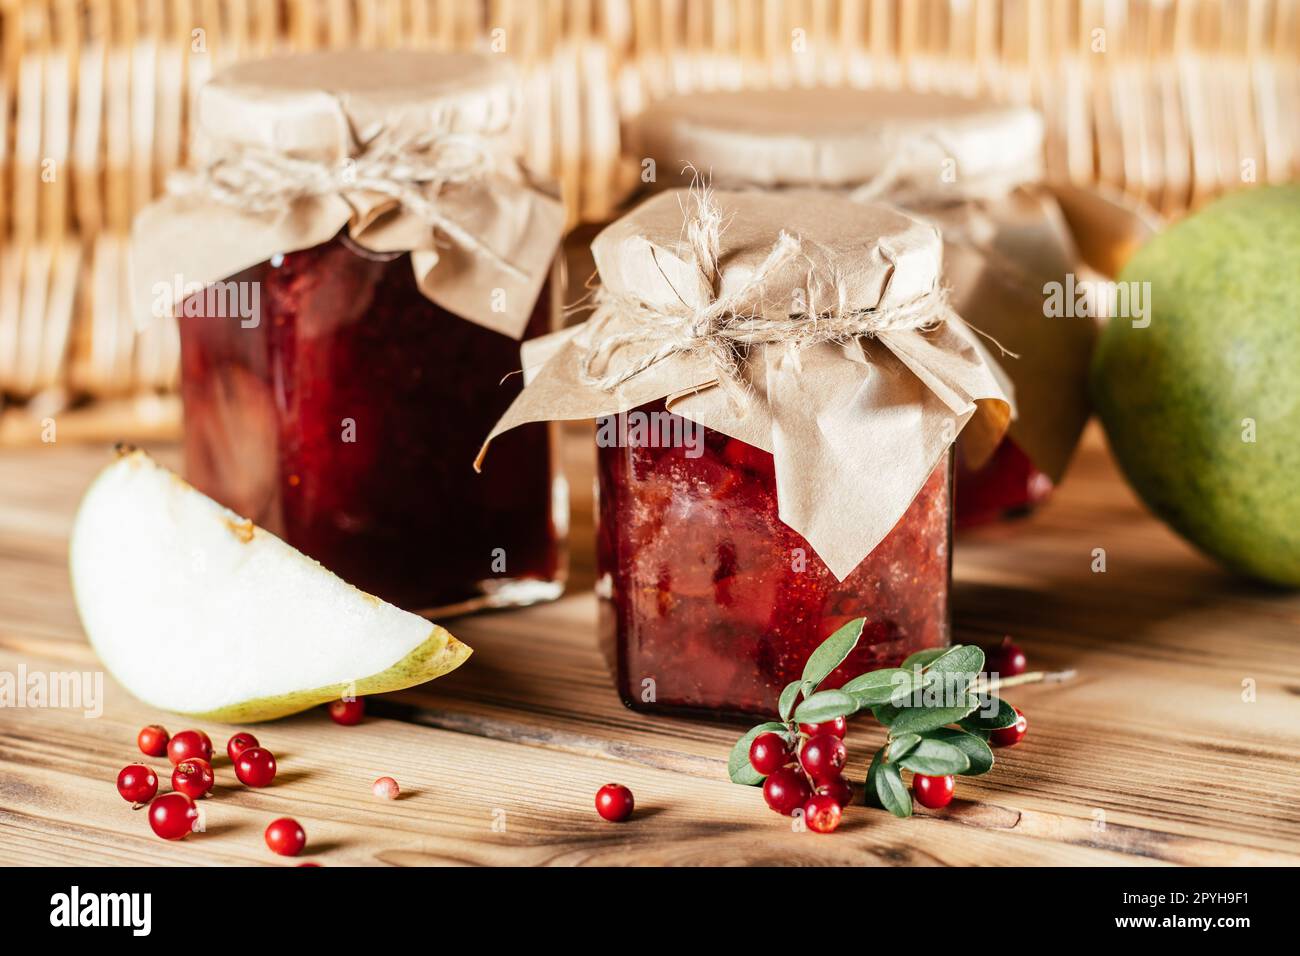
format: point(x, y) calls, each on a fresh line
point(196, 610)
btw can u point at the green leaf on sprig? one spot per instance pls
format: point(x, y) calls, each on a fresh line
point(831, 653)
point(972, 745)
point(739, 769)
point(1003, 716)
point(900, 747)
point(825, 705)
point(917, 720)
point(885, 787)
point(923, 658)
point(964, 661)
point(935, 758)
point(788, 696)
point(888, 685)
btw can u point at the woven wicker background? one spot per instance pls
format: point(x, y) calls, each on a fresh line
point(1171, 102)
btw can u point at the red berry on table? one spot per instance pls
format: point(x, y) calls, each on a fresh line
point(933, 792)
point(238, 743)
point(769, 752)
point(823, 757)
point(821, 813)
point(348, 712)
point(614, 802)
point(192, 777)
point(386, 788)
point(1006, 660)
point(137, 783)
point(836, 728)
point(286, 837)
point(173, 816)
point(255, 767)
point(152, 740)
point(1010, 736)
point(786, 790)
point(839, 790)
point(189, 743)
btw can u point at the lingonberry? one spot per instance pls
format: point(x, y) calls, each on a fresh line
point(152, 740)
point(386, 788)
point(821, 813)
point(1006, 660)
point(614, 802)
point(137, 784)
point(189, 743)
point(173, 816)
point(823, 757)
point(769, 752)
point(285, 836)
point(348, 712)
point(839, 790)
point(837, 727)
point(1010, 736)
point(192, 777)
point(933, 792)
point(786, 790)
point(238, 743)
point(255, 767)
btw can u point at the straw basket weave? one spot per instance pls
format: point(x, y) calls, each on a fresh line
point(1168, 101)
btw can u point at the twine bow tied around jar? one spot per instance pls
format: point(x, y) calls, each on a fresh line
point(723, 329)
point(412, 171)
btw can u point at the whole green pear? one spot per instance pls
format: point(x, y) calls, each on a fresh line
point(1202, 406)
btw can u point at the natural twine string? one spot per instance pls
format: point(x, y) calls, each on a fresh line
point(720, 330)
point(412, 171)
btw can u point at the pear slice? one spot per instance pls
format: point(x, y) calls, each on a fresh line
point(199, 611)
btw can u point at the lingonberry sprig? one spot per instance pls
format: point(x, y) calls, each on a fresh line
point(938, 712)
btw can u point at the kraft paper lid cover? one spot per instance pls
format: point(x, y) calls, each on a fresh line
point(841, 138)
point(856, 420)
point(409, 151)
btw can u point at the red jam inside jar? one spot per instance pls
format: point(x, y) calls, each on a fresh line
point(1007, 486)
point(711, 603)
point(346, 421)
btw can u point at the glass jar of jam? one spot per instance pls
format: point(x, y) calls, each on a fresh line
point(971, 167)
point(710, 602)
point(345, 422)
point(357, 255)
point(776, 403)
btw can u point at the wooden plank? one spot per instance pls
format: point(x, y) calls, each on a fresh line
point(1149, 756)
point(58, 805)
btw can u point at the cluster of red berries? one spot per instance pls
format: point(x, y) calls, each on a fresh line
point(173, 815)
point(811, 780)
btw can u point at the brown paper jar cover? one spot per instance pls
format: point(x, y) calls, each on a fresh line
point(969, 166)
point(855, 425)
point(366, 109)
point(375, 206)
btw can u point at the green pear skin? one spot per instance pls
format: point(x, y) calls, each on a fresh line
point(1219, 365)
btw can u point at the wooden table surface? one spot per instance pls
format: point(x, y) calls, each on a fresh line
point(1149, 756)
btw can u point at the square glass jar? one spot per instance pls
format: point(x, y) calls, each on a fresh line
point(710, 603)
point(345, 421)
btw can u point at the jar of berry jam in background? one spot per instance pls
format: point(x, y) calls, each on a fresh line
point(353, 260)
point(972, 168)
point(776, 399)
